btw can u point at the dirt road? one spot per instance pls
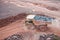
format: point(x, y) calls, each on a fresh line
point(15, 7)
point(18, 26)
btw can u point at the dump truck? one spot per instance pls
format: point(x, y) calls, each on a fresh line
point(38, 22)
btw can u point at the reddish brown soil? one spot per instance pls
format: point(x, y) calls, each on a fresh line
point(16, 26)
point(6, 21)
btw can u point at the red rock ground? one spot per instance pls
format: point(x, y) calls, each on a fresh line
point(17, 26)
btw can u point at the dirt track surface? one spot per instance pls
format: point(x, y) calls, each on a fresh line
point(18, 27)
point(14, 7)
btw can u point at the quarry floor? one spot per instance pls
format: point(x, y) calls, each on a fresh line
point(18, 26)
point(14, 7)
